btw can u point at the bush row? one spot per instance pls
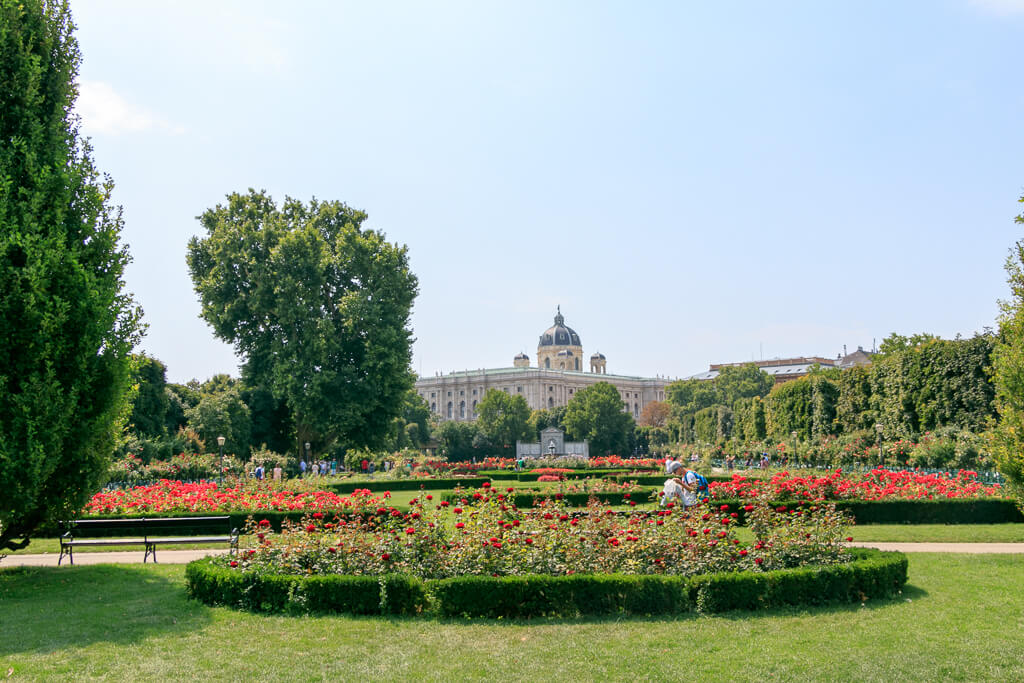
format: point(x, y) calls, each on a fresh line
point(659, 479)
point(871, 574)
point(510, 475)
point(413, 484)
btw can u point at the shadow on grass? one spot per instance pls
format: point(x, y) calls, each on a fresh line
point(43, 609)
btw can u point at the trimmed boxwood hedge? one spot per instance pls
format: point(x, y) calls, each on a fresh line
point(870, 574)
point(659, 479)
point(936, 511)
point(413, 484)
point(529, 500)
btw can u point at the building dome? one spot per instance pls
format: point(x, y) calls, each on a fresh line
point(598, 356)
point(558, 334)
point(522, 356)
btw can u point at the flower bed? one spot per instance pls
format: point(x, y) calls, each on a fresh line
point(175, 496)
point(484, 533)
point(870, 574)
point(879, 484)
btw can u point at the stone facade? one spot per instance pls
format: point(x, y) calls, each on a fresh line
point(455, 396)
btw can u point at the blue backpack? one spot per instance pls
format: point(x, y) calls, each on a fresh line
point(703, 492)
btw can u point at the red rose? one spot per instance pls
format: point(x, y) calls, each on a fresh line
point(264, 523)
point(743, 553)
point(509, 489)
point(332, 549)
point(486, 485)
point(758, 560)
point(430, 497)
point(410, 531)
point(233, 563)
point(386, 556)
point(318, 515)
point(459, 525)
point(310, 528)
point(457, 511)
point(748, 508)
point(529, 541)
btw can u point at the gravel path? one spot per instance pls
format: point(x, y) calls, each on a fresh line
point(186, 556)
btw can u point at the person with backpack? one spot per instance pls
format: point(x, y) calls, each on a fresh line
point(695, 488)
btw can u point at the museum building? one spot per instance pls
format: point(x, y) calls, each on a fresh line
point(559, 374)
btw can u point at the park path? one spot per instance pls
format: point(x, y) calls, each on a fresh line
point(186, 556)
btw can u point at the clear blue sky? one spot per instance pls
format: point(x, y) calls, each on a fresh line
point(692, 182)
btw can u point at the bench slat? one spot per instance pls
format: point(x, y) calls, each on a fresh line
point(190, 539)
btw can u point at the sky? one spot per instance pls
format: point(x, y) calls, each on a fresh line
point(692, 183)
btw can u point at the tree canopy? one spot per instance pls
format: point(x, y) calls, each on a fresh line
point(503, 419)
point(1008, 366)
point(67, 325)
point(317, 306)
point(597, 415)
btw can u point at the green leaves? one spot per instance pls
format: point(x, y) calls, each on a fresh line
point(66, 323)
point(318, 307)
point(596, 414)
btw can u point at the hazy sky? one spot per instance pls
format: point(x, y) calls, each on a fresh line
point(692, 182)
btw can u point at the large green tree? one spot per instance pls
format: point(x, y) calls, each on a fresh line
point(317, 306)
point(503, 419)
point(597, 414)
point(1008, 366)
point(66, 323)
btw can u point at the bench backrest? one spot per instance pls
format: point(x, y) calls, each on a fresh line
point(185, 526)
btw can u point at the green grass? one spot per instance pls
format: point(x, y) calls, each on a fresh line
point(959, 618)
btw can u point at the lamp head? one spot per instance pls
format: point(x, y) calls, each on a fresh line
point(221, 440)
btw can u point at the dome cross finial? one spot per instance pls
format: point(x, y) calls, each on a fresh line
point(559, 320)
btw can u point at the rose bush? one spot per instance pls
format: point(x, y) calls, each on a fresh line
point(484, 534)
point(879, 484)
point(175, 496)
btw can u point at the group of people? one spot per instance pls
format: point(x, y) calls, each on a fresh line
point(684, 486)
point(261, 473)
point(317, 469)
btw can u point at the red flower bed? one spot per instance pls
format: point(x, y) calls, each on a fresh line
point(174, 496)
point(879, 484)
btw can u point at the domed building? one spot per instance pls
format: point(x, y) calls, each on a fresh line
point(553, 382)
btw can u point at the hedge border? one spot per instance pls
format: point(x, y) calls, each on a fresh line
point(411, 484)
point(871, 574)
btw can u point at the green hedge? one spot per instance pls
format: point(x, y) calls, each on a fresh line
point(529, 500)
point(509, 475)
point(413, 484)
point(659, 479)
point(329, 593)
point(870, 574)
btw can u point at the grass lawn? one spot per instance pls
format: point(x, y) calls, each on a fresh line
point(960, 618)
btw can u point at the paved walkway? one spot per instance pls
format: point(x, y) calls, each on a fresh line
point(186, 556)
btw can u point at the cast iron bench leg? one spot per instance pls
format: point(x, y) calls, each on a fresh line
point(150, 550)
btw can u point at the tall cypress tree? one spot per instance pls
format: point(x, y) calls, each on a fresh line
point(66, 325)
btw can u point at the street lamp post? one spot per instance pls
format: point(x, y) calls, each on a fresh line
point(792, 436)
point(220, 443)
point(309, 463)
point(878, 428)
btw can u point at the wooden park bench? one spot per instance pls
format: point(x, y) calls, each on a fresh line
point(149, 532)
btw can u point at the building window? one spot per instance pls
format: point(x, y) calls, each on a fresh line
point(462, 393)
point(547, 363)
point(550, 389)
point(636, 410)
point(551, 403)
point(449, 410)
point(474, 392)
point(474, 408)
point(519, 390)
point(462, 410)
point(431, 394)
point(449, 394)
point(577, 363)
point(433, 407)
